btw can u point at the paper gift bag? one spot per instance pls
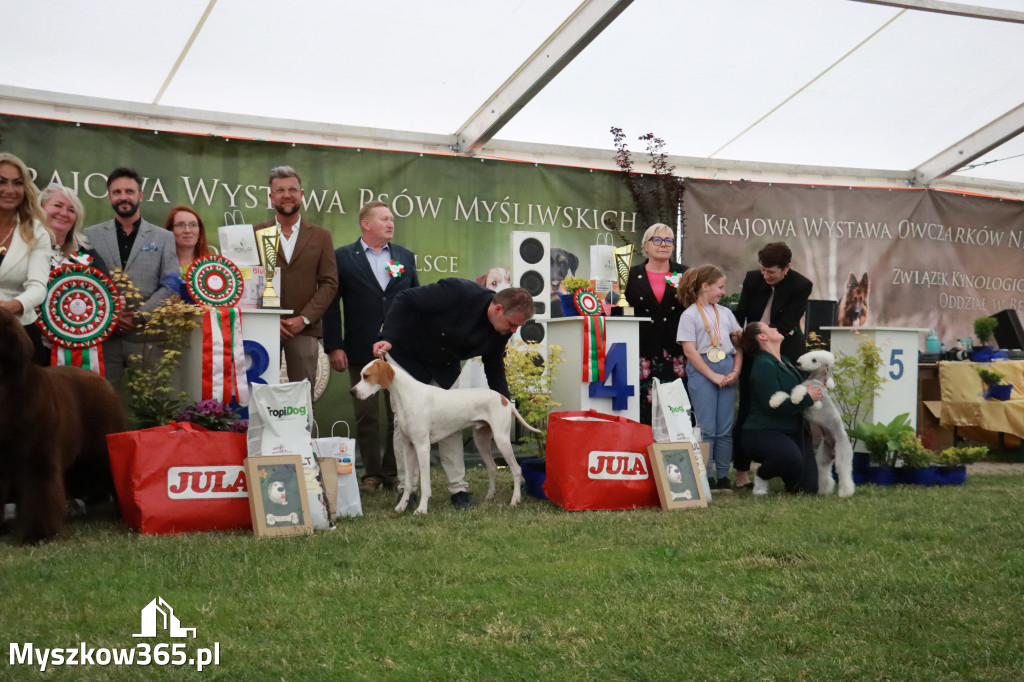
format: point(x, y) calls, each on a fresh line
point(602, 260)
point(598, 461)
point(238, 244)
point(670, 412)
point(180, 478)
point(337, 461)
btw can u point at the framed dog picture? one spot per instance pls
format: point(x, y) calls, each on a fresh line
point(277, 496)
point(677, 473)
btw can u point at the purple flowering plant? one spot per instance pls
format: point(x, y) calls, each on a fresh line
point(214, 415)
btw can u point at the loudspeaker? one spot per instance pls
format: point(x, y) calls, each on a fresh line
point(531, 269)
point(821, 313)
point(1008, 334)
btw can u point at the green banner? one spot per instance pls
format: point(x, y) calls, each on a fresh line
point(456, 213)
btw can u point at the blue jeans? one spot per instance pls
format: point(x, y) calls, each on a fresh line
point(714, 409)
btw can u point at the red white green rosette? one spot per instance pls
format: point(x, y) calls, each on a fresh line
point(593, 334)
point(80, 309)
point(214, 280)
point(586, 302)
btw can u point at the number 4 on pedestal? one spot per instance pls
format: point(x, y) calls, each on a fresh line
point(616, 384)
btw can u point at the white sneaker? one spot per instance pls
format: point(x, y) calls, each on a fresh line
point(760, 485)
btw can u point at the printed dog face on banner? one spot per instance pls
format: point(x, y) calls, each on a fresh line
point(853, 312)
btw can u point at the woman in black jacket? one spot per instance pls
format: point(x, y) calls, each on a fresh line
point(651, 290)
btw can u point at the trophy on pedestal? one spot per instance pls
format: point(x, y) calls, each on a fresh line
point(267, 241)
point(623, 260)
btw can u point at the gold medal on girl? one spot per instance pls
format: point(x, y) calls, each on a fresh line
point(714, 354)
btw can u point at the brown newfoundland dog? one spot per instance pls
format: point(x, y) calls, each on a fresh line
point(49, 419)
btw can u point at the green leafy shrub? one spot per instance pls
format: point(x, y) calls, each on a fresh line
point(529, 383)
point(984, 328)
point(990, 377)
point(883, 440)
point(858, 382)
point(150, 376)
point(912, 452)
point(956, 456)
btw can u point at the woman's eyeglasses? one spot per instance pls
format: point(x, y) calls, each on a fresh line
point(658, 241)
point(186, 226)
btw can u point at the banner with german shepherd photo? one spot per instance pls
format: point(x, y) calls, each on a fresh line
point(891, 257)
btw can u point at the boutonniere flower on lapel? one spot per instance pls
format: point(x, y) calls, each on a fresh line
point(395, 269)
point(81, 257)
point(673, 278)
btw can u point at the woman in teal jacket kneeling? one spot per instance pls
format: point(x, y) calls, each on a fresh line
point(776, 437)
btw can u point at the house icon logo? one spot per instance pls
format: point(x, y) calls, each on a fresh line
point(159, 613)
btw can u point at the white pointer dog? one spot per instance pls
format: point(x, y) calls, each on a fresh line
point(426, 414)
point(835, 444)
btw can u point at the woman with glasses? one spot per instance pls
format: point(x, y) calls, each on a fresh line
point(189, 235)
point(651, 290)
point(64, 216)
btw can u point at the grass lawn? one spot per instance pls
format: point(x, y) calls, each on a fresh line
point(895, 583)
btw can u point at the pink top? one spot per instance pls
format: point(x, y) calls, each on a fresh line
point(657, 280)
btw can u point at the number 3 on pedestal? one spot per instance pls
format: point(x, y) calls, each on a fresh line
point(615, 384)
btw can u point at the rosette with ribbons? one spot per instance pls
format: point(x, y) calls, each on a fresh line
point(216, 283)
point(589, 307)
point(79, 311)
point(214, 280)
point(224, 377)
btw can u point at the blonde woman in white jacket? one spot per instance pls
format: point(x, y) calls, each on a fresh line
point(25, 247)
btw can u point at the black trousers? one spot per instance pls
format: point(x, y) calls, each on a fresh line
point(788, 456)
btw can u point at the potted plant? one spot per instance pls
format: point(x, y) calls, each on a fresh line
point(984, 327)
point(530, 377)
point(882, 442)
point(571, 286)
point(994, 386)
point(951, 463)
point(915, 460)
point(150, 376)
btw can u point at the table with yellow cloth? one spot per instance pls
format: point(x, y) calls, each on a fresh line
point(963, 402)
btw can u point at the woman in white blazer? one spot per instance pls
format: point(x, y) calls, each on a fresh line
point(25, 244)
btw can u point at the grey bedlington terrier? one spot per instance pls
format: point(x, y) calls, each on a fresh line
point(835, 444)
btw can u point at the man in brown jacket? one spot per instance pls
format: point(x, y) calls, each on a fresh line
point(309, 274)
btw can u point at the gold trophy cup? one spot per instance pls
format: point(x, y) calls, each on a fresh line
point(267, 240)
point(623, 260)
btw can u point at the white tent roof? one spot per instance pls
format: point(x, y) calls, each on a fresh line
point(909, 91)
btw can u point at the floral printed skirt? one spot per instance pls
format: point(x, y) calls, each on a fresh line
point(668, 367)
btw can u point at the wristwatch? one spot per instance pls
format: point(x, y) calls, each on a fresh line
point(305, 320)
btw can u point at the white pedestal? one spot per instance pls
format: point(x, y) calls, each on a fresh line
point(899, 346)
point(570, 390)
point(261, 332)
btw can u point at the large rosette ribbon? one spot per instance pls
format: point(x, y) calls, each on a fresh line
point(216, 283)
point(593, 334)
point(80, 310)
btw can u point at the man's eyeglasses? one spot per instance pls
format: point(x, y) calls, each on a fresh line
point(658, 241)
point(186, 226)
point(279, 191)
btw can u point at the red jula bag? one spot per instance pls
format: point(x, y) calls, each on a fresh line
point(598, 461)
point(180, 478)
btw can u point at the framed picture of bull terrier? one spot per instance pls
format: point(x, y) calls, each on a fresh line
point(277, 496)
point(677, 468)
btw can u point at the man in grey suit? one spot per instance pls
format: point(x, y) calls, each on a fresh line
point(141, 249)
point(366, 289)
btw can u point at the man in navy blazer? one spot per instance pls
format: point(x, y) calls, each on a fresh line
point(142, 250)
point(430, 330)
point(366, 288)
